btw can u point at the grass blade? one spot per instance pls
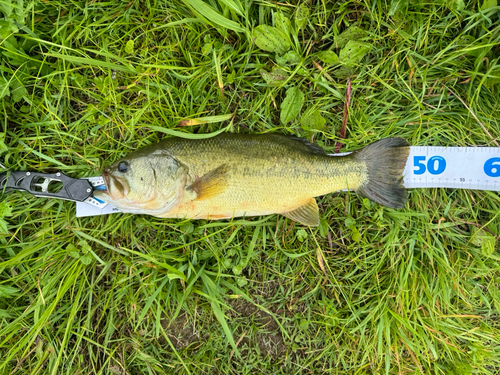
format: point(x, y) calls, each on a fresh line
point(92, 62)
point(176, 133)
point(202, 8)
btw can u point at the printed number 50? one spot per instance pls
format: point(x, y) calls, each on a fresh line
point(492, 167)
point(435, 164)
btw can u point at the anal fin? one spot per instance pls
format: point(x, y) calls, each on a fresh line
point(306, 214)
point(211, 184)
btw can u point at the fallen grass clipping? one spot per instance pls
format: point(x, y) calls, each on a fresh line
point(370, 291)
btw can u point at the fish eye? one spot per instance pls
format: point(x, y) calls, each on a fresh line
point(123, 167)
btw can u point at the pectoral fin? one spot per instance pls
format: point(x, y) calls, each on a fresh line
point(306, 214)
point(211, 184)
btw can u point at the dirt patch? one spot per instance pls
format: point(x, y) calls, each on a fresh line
point(266, 321)
point(180, 332)
point(243, 308)
point(268, 337)
point(271, 344)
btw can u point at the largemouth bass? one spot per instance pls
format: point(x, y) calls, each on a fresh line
point(233, 175)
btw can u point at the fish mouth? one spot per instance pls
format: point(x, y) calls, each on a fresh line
point(115, 186)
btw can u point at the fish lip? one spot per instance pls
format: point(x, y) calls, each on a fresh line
point(105, 176)
point(119, 187)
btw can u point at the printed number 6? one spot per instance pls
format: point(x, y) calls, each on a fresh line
point(435, 165)
point(492, 167)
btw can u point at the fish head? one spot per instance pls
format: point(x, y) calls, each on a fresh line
point(131, 179)
point(143, 184)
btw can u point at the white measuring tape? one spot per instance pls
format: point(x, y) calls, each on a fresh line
point(475, 168)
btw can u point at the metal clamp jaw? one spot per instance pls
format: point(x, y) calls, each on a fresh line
point(55, 185)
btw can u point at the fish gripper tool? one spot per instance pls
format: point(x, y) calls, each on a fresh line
point(53, 185)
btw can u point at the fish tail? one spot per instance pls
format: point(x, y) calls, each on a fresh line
point(385, 161)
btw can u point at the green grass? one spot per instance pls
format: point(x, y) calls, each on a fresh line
point(371, 290)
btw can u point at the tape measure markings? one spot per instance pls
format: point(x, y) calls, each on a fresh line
point(476, 168)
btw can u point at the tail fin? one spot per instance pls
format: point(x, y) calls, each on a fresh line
point(385, 161)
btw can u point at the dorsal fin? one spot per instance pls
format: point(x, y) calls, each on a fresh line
point(313, 148)
point(306, 214)
point(211, 184)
